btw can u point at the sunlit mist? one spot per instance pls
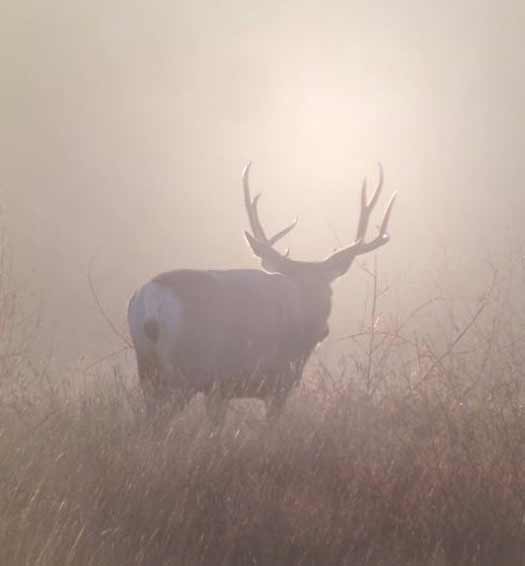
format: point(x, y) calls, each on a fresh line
point(126, 128)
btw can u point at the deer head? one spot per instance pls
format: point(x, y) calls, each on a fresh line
point(336, 264)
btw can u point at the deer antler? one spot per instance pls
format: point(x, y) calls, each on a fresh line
point(360, 246)
point(253, 214)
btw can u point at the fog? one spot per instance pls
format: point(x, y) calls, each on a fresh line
point(126, 125)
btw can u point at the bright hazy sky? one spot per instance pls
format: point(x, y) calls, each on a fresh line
point(125, 127)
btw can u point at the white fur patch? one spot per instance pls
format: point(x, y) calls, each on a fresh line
point(154, 302)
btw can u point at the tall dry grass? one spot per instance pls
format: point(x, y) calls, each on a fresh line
point(410, 451)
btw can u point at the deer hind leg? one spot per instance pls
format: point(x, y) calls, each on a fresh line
point(149, 376)
point(162, 398)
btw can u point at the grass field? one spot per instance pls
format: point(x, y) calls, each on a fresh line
point(410, 451)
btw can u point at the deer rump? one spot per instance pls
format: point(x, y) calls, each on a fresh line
point(245, 329)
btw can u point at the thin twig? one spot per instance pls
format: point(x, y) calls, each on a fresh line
point(101, 310)
point(372, 335)
point(106, 357)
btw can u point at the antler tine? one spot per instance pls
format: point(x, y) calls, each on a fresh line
point(253, 213)
point(283, 232)
point(384, 224)
point(251, 205)
point(377, 192)
point(367, 207)
point(363, 215)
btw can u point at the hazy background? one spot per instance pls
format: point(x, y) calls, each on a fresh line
point(125, 127)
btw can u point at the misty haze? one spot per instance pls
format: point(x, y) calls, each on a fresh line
point(126, 128)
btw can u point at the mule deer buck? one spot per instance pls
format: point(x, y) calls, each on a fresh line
point(240, 332)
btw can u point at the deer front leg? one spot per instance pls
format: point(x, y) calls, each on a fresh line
point(216, 406)
point(275, 404)
point(287, 381)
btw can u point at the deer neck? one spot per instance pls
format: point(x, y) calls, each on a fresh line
point(317, 304)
